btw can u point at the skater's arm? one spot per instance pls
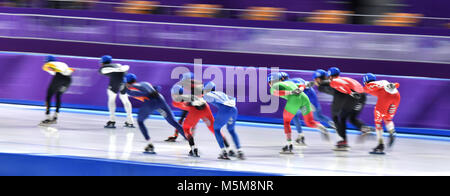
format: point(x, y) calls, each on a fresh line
point(110, 69)
point(181, 105)
point(340, 86)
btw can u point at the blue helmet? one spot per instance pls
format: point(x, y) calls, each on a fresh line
point(369, 77)
point(210, 86)
point(284, 75)
point(187, 75)
point(50, 58)
point(334, 71)
point(176, 90)
point(130, 78)
point(106, 59)
point(274, 77)
point(319, 73)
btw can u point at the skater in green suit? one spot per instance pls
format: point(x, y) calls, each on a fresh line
point(296, 100)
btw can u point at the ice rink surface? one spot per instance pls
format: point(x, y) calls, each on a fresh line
point(81, 133)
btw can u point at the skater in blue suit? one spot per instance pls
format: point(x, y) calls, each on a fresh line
point(152, 100)
point(226, 115)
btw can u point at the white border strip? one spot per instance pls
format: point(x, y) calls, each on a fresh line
point(228, 51)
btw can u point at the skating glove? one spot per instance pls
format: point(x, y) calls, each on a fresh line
point(297, 91)
point(391, 86)
point(309, 84)
point(355, 95)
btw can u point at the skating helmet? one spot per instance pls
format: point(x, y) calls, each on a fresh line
point(176, 90)
point(106, 59)
point(369, 77)
point(50, 58)
point(130, 78)
point(210, 86)
point(284, 76)
point(334, 71)
point(320, 73)
point(187, 76)
point(274, 77)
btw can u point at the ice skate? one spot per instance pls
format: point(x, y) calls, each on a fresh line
point(150, 149)
point(300, 141)
point(224, 155)
point(342, 146)
point(392, 137)
point(110, 125)
point(231, 153)
point(194, 153)
point(287, 149)
point(129, 125)
point(324, 132)
point(171, 139)
point(240, 155)
point(48, 122)
point(378, 150)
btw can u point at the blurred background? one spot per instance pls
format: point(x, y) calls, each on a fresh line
point(367, 12)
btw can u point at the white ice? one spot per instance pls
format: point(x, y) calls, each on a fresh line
point(83, 135)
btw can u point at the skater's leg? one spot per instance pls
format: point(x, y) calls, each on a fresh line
point(378, 125)
point(48, 102)
point(112, 105)
point(180, 121)
point(145, 110)
point(166, 112)
point(219, 122)
point(297, 123)
point(342, 125)
point(231, 124)
point(127, 105)
point(287, 118)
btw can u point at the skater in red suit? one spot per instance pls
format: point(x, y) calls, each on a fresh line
point(197, 108)
point(385, 109)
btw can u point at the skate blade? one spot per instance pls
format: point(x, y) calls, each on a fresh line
point(300, 145)
point(146, 152)
point(220, 158)
point(194, 156)
point(341, 149)
point(377, 153)
point(172, 141)
point(288, 153)
point(109, 127)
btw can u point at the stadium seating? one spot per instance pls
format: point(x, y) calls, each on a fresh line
point(200, 10)
point(263, 13)
point(399, 19)
point(329, 16)
point(138, 7)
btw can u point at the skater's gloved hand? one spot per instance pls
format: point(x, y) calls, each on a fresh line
point(391, 86)
point(201, 107)
point(355, 95)
point(310, 84)
point(297, 91)
point(154, 94)
point(198, 102)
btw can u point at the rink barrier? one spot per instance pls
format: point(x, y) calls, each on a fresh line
point(58, 165)
point(423, 105)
